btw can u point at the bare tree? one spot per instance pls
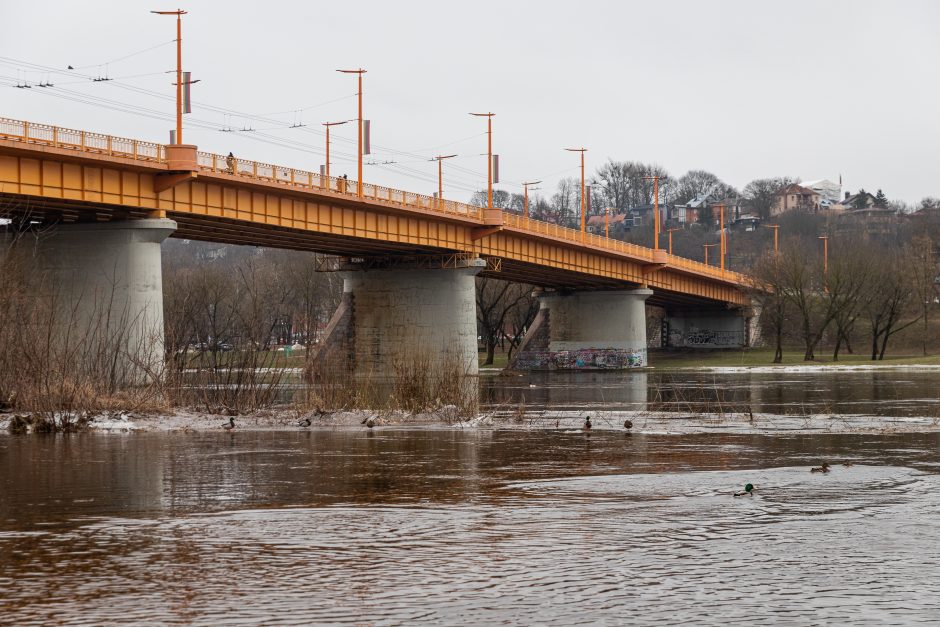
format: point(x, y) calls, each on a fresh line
point(892, 293)
point(847, 284)
point(761, 194)
point(496, 300)
point(697, 182)
point(769, 291)
point(922, 268)
point(803, 284)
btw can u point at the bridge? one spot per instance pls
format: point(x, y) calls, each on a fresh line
point(409, 259)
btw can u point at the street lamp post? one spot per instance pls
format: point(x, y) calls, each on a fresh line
point(775, 227)
point(583, 204)
point(706, 247)
point(359, 72)
point(669, 231)
point(721, 225)
point(825, 239)
point(655, 179)
point(179, 13)
point(489, 156)
point(328, 125)
point(525, 203)
point(440, 178)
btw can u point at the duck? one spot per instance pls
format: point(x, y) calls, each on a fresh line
point(370, 422)
point(587, 423)
point(823, 468)
point(627, 424)
point(305, 422)
point(748, 490)
point(230, 425)
point(848, 464)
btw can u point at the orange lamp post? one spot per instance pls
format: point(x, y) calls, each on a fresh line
point(179, 13)
point(359, 72)
point(670, 231)
point(328, 125)
point(776, 228)
point(825, 239)
point(440, 177)
point(583, 203)
point(489, 156)
point(721, 225)
point(706, 247)
point(525, 202)
point(655, 180)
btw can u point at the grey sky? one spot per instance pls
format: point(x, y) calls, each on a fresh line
point(743, 89)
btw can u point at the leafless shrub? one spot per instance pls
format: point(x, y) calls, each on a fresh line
point(62, 359)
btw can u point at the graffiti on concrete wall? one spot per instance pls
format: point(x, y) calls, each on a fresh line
point(583, 359)
point(704, 338)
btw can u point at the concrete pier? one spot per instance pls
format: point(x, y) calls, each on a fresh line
point(587, 331)
point(405, 317)
point(105, 281)
point(710, 329)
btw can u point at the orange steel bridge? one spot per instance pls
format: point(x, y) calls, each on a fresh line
point(56, 175)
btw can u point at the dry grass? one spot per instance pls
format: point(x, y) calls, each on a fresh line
point(417, 383)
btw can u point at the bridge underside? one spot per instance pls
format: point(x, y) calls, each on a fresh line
point(38, 212)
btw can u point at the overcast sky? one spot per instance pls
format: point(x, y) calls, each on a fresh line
point(812, 89)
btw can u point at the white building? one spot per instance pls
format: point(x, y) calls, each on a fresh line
point(826, 189)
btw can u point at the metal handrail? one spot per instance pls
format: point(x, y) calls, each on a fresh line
point(84, 141)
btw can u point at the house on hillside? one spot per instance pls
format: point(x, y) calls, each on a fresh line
point(733, 205)
point(861, 200)
point(796, 197)
point(619, 222)
point(688, 213)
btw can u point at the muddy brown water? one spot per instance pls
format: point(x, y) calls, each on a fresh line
point(444, 526)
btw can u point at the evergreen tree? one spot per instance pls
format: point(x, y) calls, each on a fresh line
point(881, 200)
point(861, 199)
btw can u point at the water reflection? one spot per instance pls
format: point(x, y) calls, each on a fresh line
point(869, 392)
point(459, 527)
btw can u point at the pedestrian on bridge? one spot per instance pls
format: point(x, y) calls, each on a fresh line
point(230, 162)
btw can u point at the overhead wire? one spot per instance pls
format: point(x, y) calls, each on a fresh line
point(461, 176)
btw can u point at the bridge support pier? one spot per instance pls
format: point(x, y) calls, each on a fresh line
point(586, 331)
point(710, 329)
point(404, 319)
point(105, 283)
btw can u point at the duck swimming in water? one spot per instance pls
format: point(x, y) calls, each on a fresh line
point(230, 425)
point(587, 423)
point(305, 422)
point(748, 491)
point(823, 468)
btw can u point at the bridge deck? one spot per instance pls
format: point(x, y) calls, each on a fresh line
point(52, 174)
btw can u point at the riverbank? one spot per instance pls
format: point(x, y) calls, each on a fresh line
point(749, 358)
point(513, 419)
point(764, 357)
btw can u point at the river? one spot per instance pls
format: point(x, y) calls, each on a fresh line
point(484, 526)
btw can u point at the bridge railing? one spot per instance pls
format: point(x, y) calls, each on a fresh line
point(84, 141)
point(307, 180)
point(634, 250)
point(44, 134)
